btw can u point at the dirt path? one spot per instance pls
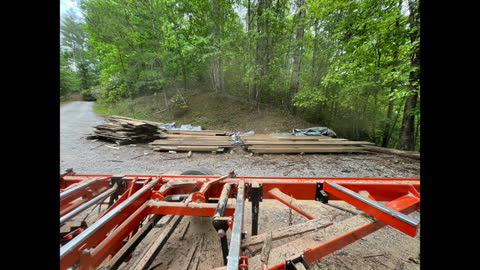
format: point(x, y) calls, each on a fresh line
point(395, 248)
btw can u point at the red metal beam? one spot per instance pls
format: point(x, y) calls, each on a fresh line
point(100, 233)
point(192, 209)
point(91, 187)
point(405, 204)
point(107, 239)
point(374, 208)
point(283, 198)
point(114, 240)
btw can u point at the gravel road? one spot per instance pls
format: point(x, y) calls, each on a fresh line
point(77, 119)
point(397, 250)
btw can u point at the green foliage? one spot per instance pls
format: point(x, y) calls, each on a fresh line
point(68, 79)
point(345, 63)
point(77, 51)
point(178, 102)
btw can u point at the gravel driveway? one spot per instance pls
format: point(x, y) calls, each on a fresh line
point(397, 250)
point(77, 119)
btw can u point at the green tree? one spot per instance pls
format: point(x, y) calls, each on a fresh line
point(68, 78)
point(74, 41)
point(351, 65)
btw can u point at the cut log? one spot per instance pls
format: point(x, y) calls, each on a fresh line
point(409, 154)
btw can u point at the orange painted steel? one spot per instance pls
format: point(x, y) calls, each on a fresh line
point(289, 204)
point(139, 201)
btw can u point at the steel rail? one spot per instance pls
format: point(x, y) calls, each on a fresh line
point(75, 242)
point(86, 205)
point(398, 215)
point(71, 191)
point(233, 257)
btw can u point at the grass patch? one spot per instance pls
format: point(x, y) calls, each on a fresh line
point(209, 110)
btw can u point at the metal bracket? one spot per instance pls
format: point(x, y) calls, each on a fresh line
point(320, 194)
point(290, 264)
point(121, 184)
point(255, 193)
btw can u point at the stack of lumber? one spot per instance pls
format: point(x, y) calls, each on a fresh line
point(262, 143)
point(124, 130)
point(192, 140)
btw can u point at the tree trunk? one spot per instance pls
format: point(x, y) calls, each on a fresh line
point(297, 63)
point(313, 82)
point(261, 59)
point(407, 132)
point(388, 125)
point(217, 69)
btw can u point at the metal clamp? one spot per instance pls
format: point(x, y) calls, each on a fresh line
point(320, 194)
point(290, 264)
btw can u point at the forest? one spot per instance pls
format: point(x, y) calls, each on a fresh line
point(350, 65)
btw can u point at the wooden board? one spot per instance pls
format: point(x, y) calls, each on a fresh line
point(144, 262)
point(191, 143)
point(196, 132)
point(289, 140)
point(284, 232)
point(267, 246)
point(186, 264)
point(254, 136)
point(323, 142)
point(186, 136)
point(114, 117)
point(227, 140)
point(189, 148)
point(307, 150)
point(277, 146)
point(311, 240)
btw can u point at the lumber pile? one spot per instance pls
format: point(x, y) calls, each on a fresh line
point(192, 140)
point(263, 143)
point(124, 130)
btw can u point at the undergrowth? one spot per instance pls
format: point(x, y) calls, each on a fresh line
point(208, 110)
